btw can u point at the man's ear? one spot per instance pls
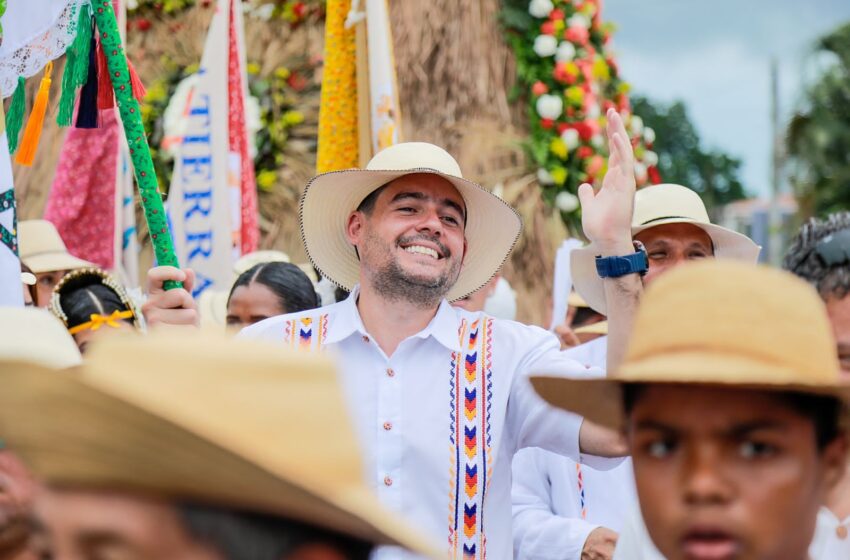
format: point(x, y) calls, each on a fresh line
point(354, 227)
point(834, 457)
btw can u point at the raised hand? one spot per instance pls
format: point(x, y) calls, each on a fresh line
point(607, 214)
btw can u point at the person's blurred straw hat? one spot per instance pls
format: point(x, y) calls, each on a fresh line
point(202, 418)
point(598, 328)
point(654, 206)
point(34, 335)
point(492, 226)
point(717, 323)
point(575, 300)
point(43, 250)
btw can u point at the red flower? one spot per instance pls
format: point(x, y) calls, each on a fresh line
point(585, 129)
point(299, 9)
point(547, 123)
point(557, 13)
point(143, 24)
point(578, 35)
point(571, 112)
point(539, 88)
point(547, 28)
point(562, 127)
point(654, 175)
point(296, 81)
point(584, 152)
point(560, 74)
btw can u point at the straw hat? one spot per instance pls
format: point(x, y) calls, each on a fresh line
point(598, 328)
point(654, 206)
point(718, 323)
point(43, 250)
point(492, 227)
point(204, 419)
point(33, 334)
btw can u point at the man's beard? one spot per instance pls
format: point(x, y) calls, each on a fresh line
point(392, 282)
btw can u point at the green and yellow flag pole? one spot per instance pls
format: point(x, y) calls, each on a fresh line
point(131, 120)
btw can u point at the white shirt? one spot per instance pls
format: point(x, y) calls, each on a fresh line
point(827, 545)
point(558, 502)
point(440, 420)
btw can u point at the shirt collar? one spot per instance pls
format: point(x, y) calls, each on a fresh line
point(443, 327)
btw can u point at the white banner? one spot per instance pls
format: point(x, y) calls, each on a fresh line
point(11, 288)
point(126, 260)
point(383, 90)
point(199, 203)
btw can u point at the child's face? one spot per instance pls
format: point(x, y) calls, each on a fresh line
point(728, 473)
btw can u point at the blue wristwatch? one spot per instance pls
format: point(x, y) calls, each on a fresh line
point(614, 267)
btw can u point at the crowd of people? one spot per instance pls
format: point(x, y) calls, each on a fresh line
point(367, 404)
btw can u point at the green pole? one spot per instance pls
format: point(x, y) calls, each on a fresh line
point(134, 131)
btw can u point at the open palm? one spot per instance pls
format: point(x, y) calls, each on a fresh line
point(607, 214)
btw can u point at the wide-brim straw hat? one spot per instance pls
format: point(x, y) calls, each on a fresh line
point(717, 323)
point(492, 226)
point(201, 419)
point(34, 335)
point(654, 206)
point(43, 250)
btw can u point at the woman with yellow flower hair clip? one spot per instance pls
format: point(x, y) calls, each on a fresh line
point(90, 301)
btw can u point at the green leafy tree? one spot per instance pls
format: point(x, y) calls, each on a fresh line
point(818, 138)
point(715, 175)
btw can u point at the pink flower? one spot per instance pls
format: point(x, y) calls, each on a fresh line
point(547, 28)
point(578, 35)
point(595, 165)
point(539, 88)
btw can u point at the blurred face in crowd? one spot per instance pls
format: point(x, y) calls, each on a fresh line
point(475, 301)
point(251, 304)
point(46, 281)
point(411, 244)
point(85, 337)
point(838, 310)
point(669, 245)
point(89, 525)
point(727, 473)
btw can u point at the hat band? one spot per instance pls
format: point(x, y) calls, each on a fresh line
point(666, 218)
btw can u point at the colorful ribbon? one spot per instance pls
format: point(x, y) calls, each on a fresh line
point(97, 320)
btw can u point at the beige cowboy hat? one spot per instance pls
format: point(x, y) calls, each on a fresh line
point(43, 250)
point(718, 323)
point(492, 226)
point(655, 206)
point(34, 335)
point(204, 419)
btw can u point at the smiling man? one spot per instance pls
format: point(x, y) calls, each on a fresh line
point(731, 401)
point(439, 396)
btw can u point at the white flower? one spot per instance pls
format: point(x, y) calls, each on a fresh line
point(636, 125)
point(263, 12)
point(566, 202)
point(550, 106)
point(566, 52)
point(640, 172)
point(650, 158)
point(571, 138)
point(132, 5)
point(540, 8)
point(544, 177)
point(593, 112)
point(648, 135)
point(545, 45)
point(597, 141)
point(578, 20)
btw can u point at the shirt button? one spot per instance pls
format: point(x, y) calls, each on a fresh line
point(388, 481)
point(388, 426)
point(365, 338)
point(390, 372)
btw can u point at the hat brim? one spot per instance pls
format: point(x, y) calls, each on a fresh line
point(141, 452)
point(600, 400)
point(49, 262)
point(492, 226)
point(728, 244)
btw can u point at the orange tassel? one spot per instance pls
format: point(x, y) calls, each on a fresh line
point(139, 91)
point(32, 133)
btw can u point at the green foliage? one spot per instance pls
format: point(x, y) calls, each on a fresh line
point(714, 174)
point(818, 136)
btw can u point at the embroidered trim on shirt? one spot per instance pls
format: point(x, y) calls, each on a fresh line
point(471, 460)
point(581, 491)
point(299, 333)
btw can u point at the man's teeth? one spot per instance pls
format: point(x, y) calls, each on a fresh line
point(422, 250)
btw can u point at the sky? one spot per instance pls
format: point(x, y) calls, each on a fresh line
point(715, 56)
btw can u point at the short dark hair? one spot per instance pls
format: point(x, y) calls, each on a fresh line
point(823, 410)
point(803, 260)
point(293, 288)
point(242, 535)
point(367, 205)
